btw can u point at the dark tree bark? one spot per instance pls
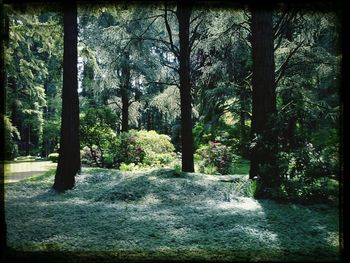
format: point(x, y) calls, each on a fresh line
point(125, 109)
point(242, 118)
point(183, 13)
point(263, 155)
point(3, 38)
point(148, 123)
point(124, 90)
point(69, 152)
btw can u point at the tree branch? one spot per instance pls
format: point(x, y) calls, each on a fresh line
point(172, 46)
point(283, 24)
point(145, 18)
point(116, 103)
point(166, 9)
point(194, 32)
point(137, 37)
point(284, 65)
point(279, 21)
point(161, 83)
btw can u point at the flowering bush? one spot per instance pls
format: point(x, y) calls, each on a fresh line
point(215, 154)
point(104, 148)
point(129, 150)
point(158, 149)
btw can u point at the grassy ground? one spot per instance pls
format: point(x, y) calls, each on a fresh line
point(18, 170)
point(241, 167)
point(157, 215)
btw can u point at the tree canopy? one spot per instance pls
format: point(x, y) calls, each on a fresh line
point(197, 74)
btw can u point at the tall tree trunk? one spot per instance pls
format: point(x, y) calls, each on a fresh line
point(125, 109)
point(28, 143)
point(148, 123)
point(3, 84)
point(125, 87)
point(183, 13)
point(69, 153)
point(263, 155)
point(242, 129)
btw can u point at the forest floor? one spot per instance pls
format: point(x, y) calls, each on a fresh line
point(158, 215)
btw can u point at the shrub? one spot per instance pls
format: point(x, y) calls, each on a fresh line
point(86, 157)
point(308, 163)
point(216, 155)
point(210, 169)
point(308, 174)
point(11, 134)
point(106, 149)
point(157, 147)
point(99, 141)
point(97, 134)
point(128, 149)
point(127, 167)
point(53, 157)
point(177, 169)
point(321, 190)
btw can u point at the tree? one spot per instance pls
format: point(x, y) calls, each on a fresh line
point(183, 13)
point(4, 32)
point(69, 152)
point(124, 90)
point(263, 154)
point(119, 73)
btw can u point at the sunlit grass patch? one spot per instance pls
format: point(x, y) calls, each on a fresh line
point(13, 168)
point(42, 177)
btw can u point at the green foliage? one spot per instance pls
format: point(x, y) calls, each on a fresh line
point(310, 173)
point(11, 134)
point(106, 149)
point(157, 147)
point(177, 169)
point(321, 190)
point(97, 135)
point(216, 157)
point(307, 84)
point(33, 57)
point(209, 169)
point(127, 167)
point(239, 166)
point(308, 163)
point(167, 103)
point(146, 147)
point(129, 149)
point(51, 135)
point(53, 157)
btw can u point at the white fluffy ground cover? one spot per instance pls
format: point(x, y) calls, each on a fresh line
point(158, 215)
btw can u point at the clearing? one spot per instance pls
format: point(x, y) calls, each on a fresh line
point(157, 215)
point(16, 171)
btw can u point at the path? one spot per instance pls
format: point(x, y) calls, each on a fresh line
point(15, 172)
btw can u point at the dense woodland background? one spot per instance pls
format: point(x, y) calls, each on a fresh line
point(158, 83)
point(183, 130)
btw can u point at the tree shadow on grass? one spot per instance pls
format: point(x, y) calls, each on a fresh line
point(156, 216)
point(304, 232)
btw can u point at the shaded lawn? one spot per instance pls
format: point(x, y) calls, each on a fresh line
point(158, 216)
point(241, 167)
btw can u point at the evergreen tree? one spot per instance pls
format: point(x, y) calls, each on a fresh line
point(69, 152)
point(263, 155)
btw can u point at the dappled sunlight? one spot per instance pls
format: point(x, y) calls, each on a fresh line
point(158, 212)
point(241, 203)
point(151, 199)
point(262, 236)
